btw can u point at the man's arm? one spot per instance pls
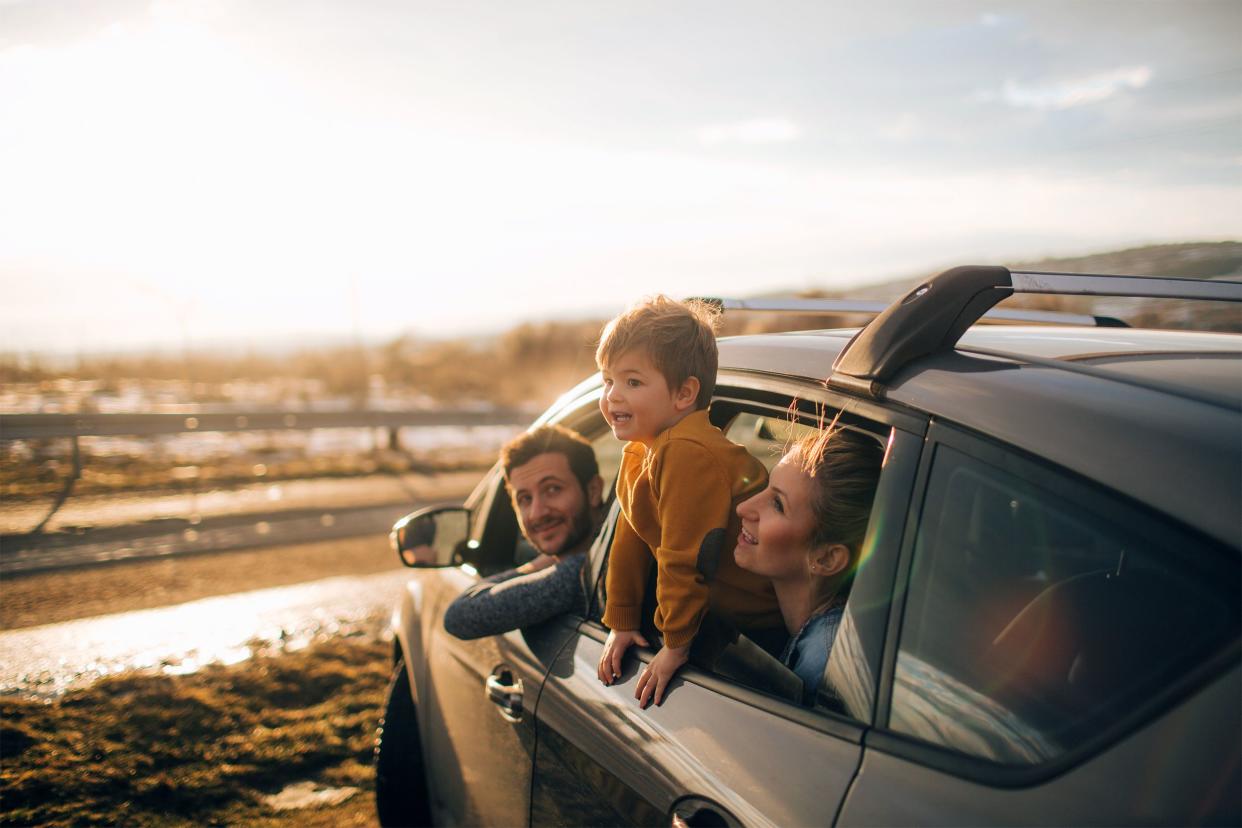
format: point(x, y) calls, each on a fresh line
point(513, 599)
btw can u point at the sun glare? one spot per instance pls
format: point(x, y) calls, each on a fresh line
point(178, 161)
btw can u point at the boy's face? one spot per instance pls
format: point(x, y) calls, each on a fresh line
point(638, 403)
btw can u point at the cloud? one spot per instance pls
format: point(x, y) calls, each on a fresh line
point(903, 130)
point(756, 131)
point(1075, 92)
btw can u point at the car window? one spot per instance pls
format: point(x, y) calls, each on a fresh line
point(608, 451)
point(765, 435)
point(752, 661)
point(1039, 615)
point(755, 660)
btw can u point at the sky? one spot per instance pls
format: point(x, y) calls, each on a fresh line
point(274, 172)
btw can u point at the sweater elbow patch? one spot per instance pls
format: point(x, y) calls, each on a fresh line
point(710, 552)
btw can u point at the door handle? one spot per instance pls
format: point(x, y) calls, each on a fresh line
point(693, 812)
point(506, 693)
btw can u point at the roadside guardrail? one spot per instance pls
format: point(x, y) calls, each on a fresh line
point(36, 426)
point(87, 424)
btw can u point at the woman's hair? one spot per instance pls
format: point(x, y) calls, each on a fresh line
point(844, 467)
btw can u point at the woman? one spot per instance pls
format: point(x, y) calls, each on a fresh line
point(805, 532)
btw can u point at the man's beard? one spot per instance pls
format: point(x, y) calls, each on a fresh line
point(580, 526)
point(581, 530)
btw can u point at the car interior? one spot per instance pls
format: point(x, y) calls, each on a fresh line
point(719, 650)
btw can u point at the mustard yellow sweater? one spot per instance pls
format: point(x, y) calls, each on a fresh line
point(678, 502)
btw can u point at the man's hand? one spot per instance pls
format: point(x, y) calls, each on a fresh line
point(655, 679)
point(614, 651)
point(421, 554)
point(540, 561)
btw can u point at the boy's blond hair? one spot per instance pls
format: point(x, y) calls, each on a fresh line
point(679, 337)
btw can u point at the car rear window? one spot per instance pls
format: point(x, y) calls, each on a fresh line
point(1039, 615)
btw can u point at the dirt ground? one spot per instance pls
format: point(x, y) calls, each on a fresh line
point(212, 747)
point(140, 778)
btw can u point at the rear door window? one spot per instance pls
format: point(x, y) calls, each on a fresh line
point(1042, 611)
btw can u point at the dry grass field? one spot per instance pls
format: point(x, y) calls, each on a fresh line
point(203, 748)
point(200, 749)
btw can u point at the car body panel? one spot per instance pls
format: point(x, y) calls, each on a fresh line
point(478, 763)
point(1031, 406)
point(811, 353)
point(1183, 768)
point(1182, 455)
point(604, 761)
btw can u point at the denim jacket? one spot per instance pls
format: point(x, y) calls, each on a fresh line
point(807, 652)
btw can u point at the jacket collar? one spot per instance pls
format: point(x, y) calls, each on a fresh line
point(696, 422)
point(693, 423)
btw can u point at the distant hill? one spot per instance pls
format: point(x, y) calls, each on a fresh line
point(1189, 260)
point(1198, 260)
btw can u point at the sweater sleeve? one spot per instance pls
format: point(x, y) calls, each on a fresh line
point(511, 600)
point(695, 497)
point(629, 563)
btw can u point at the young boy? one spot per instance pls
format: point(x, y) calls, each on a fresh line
point(679, 484)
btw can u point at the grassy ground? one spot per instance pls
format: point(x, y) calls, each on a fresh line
point(199, 749)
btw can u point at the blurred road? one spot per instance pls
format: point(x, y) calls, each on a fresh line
point(96, 530)
point(85, 512)
point(152, 539)
point(199, 580)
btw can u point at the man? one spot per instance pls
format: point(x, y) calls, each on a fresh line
point(554, 483)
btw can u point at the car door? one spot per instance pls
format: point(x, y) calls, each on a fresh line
point(477, 697)
point(1059, 655)
point(730, 746)
point(480, 697)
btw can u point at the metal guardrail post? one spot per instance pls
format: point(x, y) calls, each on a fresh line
point(65, 492)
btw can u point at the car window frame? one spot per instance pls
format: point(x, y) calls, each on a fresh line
point(1047, 475)
point(488, 500)
point(738, 391)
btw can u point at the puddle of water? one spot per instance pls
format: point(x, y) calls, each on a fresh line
point(47, 661)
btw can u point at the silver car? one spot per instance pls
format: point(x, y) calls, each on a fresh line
point(1045, 628)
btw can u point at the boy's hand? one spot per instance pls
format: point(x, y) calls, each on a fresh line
point(654, 680)
point(614, 651)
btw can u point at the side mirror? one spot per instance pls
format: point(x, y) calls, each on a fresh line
point(435, 536)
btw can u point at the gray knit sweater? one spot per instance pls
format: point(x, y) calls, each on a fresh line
point(510, 600)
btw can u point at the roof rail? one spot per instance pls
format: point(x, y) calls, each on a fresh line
point(933, 316)
point(874, 307)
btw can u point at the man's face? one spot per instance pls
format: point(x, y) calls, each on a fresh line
point(552, 507)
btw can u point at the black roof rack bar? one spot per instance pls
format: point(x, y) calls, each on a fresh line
point(933, 316)
point(838, 306)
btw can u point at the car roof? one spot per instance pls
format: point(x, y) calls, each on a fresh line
point(1155, 415)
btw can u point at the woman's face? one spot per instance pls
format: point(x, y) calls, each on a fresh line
point(777, 523)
